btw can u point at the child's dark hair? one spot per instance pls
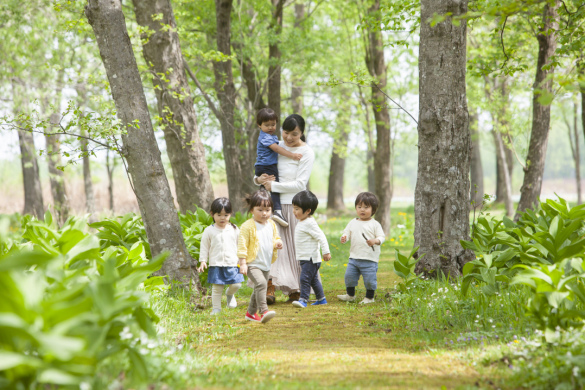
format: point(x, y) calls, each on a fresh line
point(368, 199)
point(292, 122)
point(306, 200)
point(221, 204)
point(260, 198)
point(265, 115)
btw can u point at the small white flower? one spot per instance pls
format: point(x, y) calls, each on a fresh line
point(576, 371)
point(183, 368)
point(400, 226)
point(87, 386)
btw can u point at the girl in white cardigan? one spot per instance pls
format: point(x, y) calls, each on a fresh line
point(219, 248)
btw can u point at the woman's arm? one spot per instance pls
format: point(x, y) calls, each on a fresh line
point(303, 175)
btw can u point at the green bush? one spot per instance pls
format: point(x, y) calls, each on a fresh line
point(67, 304)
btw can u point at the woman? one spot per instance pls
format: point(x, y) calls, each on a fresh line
point(293, 178)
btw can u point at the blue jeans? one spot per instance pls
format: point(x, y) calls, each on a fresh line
point(368, 269)
point(270, 170)
point(310, 278)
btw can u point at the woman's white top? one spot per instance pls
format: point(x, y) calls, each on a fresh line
point(265, 235)
point(293, 175)
point(308, 238)
point(355, 231)
point(219, 247)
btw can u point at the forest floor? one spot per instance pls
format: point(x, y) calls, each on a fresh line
point(340, 345)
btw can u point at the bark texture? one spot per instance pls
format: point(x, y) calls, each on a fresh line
point(162, 51)
point(296, 95)
point(476, 191)
point(442, 187)
point(504, 179)
point(145, 166)
point(274, 54)
point(382, 157)
point(56, 176)
point(33, 193)
point(337, 166)
point(226, 94)
point(87, 180)
point(535, 158)
point(575, 150)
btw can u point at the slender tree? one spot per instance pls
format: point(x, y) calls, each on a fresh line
point(145, 166)
point(477, 190)
point(162, 51)
point(377, 69)
point(33, 193)
point(274, 56)
point(226, 94)
point(573, 132)
point(442, 187)
point(547, 43)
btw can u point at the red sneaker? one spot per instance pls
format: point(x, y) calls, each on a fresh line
point(253, 318)
point(267, 316)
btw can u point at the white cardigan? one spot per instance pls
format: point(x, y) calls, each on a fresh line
point(219, 247)
point(293, 175)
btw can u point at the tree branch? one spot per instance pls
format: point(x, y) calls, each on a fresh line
point(198, 84)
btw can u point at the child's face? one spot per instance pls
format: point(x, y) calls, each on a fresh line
point(221, 219)
point(268, 127)
point(299, 214)
point(363, 212)
point(261, 213)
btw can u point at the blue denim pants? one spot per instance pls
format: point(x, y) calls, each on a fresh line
point(368, 269)
point(310, 278)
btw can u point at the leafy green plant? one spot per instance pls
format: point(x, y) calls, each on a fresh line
point(123, 231)
point(404, 267)
point(66, 305)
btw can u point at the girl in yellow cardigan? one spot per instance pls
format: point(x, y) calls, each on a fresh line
point(257, 247)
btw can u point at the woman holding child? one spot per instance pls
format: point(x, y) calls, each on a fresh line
point(293, 176)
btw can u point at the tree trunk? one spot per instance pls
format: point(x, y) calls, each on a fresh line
point(226, 94)
point(33, 193)
point(536, 156)
point(338, 156)
point(56, 176)
point(575, 152)
point(274, 55)
point(476, 192)
point(441, 206)
point(500, 115)
point(87, 181)
point(502, 165)
point(296, 95)
point(110, 165)
point(162, 50)
point(139, 143)
point(382, 157)
point(371, 175)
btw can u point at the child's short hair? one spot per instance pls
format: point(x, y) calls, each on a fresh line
point(368, 199)
point(260, 198)
point(306, 200)
point(265, 115)
point(220, 204)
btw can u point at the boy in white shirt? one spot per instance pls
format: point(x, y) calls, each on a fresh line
point(308, 239)
point(366, 235)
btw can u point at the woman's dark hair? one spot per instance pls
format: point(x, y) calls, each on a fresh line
point(292, 122)
point(306, 200)
point(265, 115)
point(368, 199)
point(260, 198)
point(221, 204)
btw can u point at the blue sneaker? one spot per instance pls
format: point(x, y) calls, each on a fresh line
point(320, 302)
point(301, 304)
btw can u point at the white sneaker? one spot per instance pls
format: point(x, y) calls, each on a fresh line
point(231, 301)
point(279, 218)
point(367, 300)
point(215, 312)
point(346, 298)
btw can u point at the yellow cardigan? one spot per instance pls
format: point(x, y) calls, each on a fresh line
point(248, 243)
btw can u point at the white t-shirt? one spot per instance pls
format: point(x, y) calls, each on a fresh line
point(356, 230)
point(265, 234)
point(308, 239)
point(293, 175)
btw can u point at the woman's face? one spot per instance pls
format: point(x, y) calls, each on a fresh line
point(292, 139)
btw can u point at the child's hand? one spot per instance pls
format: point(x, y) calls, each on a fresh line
point(327, 257)
point(297, 156)
point(343, 239)
point(244, 269)
point(202, 267)
point(372, 241)
point(278, 245)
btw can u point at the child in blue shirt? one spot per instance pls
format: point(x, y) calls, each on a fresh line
point(267, 156)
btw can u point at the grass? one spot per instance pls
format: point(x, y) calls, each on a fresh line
point(398, 342)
